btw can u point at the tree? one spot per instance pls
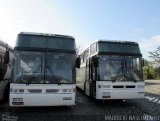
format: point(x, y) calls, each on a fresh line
point(147, 70)
point(155, 55)
point(156, 73)
point(78, 49)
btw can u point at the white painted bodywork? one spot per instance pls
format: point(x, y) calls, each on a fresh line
point(58, 98)
point(119, 93)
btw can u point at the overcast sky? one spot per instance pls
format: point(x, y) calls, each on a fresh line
point(86, 20)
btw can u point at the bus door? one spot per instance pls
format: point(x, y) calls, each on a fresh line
point(93, 75)
point(88, 82)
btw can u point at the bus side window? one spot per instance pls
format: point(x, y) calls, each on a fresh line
point(82, 58)
point(11, 61)
point(93, 48)
point(87, 70)
point(92, 71)
point(6, 57)
point(94, 67)
point(86, 54)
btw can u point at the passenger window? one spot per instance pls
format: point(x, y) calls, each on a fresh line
point(81, 56)
point(93, 48)
point(86, 55)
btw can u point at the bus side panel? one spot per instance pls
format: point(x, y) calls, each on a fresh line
point(80, 77)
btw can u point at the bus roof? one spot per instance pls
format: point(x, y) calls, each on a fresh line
point(116, 41)
point(32, 41)
point(109, 41)
point(118, 47)
point(45, 34)
point(5, 45)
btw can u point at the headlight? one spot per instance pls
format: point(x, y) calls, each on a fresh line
point(14, 90)
point(140, 86)
point(17, 90)
point(99, 86)
point(68, 90)
point(106, 86)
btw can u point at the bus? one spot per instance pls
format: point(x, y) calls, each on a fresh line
point(44, 70)
point(6, 56)
point(111, 70)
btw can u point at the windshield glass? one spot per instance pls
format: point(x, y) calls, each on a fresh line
point(133, 69)
point(43, 67)
point(110, 67)
point(59, 68)
point(29, 67)
point(120, 68)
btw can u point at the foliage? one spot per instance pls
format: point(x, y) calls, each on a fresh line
point(147, 70)
point(156, 73)
point(155, 55)
point(78, 49)
point(150, 72)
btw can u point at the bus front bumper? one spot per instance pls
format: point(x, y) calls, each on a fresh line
point(119, 90)
point(21, 100)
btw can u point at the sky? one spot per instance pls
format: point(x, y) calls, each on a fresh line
point(85, 20)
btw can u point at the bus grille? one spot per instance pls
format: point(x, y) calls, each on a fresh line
point(52, 90)
point(34, 90)
point(124, 86)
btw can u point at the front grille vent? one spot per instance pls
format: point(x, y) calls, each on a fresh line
point(52, 90)
point(124, 86)
point(34, 90)
point(120, 86)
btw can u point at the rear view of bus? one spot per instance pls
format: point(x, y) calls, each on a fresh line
point(43, 70)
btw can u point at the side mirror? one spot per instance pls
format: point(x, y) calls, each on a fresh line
point(78, 62)
point(95, 61)
point(6, 57)
point(142, 62)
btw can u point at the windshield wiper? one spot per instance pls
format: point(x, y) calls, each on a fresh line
point(130, 78)
point(31, 79)
point(118, 78)
point(36, 70)
point(53, 75)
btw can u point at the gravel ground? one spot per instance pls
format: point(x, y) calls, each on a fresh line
point(152, 86)
point(87, 109)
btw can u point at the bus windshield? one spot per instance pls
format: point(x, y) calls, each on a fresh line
point(59, 67)
point(43, 67)
point(120, 68)
point(133, 68)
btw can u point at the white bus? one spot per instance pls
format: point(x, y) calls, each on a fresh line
point(6, 56)
point(44, 70)
point(111, 70)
